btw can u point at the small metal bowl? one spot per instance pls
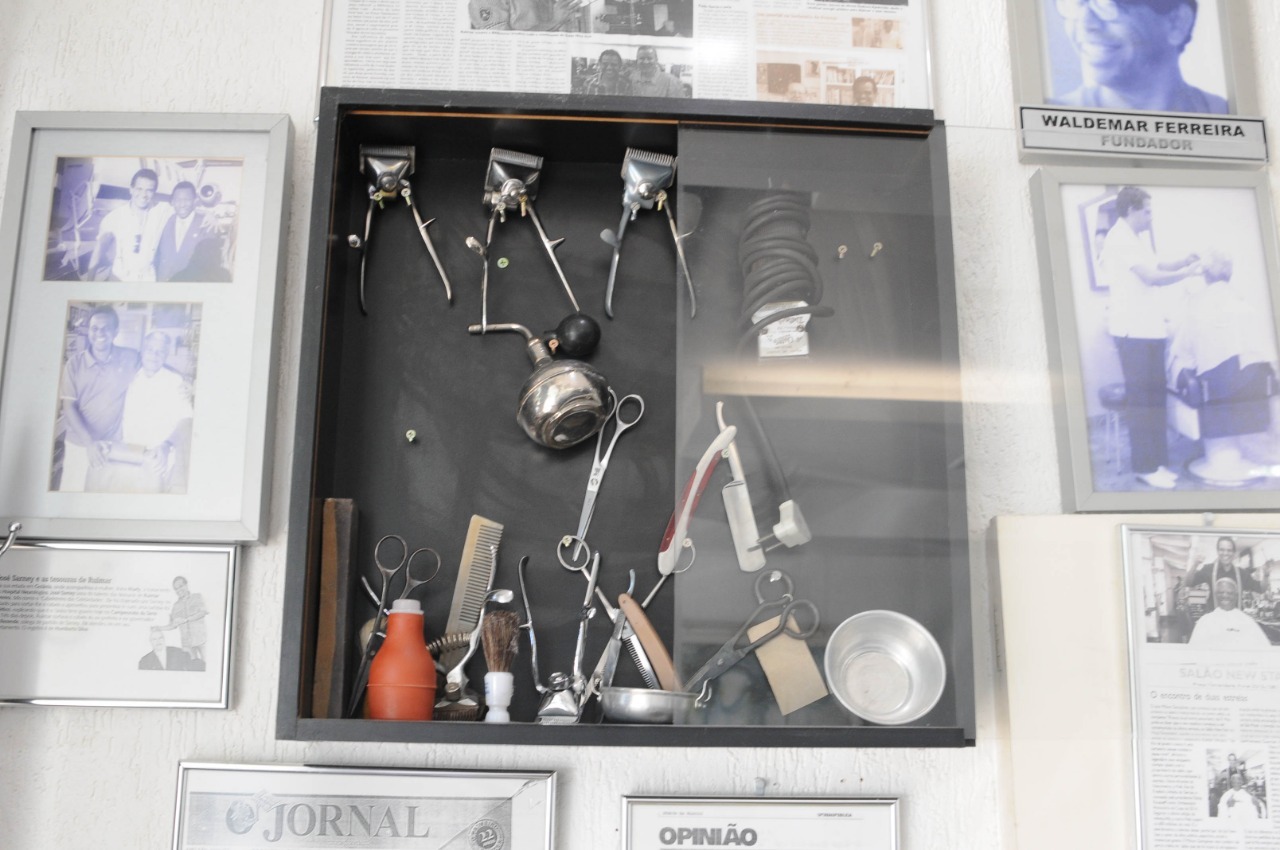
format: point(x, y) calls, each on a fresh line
point(885, 667)
point(645, 705)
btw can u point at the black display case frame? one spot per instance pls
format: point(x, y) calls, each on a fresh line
point(357, 393)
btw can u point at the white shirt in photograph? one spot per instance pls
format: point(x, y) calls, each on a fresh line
point(1134, 310)
point(153, 407)
point(137, 235)
point(1222, 629)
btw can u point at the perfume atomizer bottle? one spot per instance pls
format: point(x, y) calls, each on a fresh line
point(563, 402)
point(646, 177)
point(388, 168)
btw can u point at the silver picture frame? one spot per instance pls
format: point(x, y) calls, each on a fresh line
point(780, 823)
point(1218, 439)
point(137, 625)
point(1087, 87)
point(231, 805)
point(1198, 684)
point(162, 235)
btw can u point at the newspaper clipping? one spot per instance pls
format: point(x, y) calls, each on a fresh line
point(229, 806)
point(1205, 669)
point(799, 51)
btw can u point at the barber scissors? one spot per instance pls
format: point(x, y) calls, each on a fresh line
point(411, 582)
point(621, 423)
point(772, 603)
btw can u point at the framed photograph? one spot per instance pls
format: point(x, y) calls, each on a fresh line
point(872, 53)
point(226, 806)
point(1112, 76)
point(1161, 314)
point(121, 624)
point(1204, 649)
point(141, 279)
point(779, 823)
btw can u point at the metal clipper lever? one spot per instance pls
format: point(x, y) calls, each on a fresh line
point(389, 168)
point(565, 694)
point(512, 184)
point(646, 177)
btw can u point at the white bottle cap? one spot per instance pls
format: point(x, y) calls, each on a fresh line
point(406, 606)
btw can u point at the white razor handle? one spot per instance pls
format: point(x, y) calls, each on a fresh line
point(742, 525)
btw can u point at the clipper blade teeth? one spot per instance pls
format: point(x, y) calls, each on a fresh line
point(527, 160)
point(649, 157)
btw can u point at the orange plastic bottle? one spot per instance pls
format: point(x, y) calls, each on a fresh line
point(402, 678)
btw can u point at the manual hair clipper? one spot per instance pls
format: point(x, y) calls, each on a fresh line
point(646, 177)
point(512, 184)
point(564, 694)
point(388, 168)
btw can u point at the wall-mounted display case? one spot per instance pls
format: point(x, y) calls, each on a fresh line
point(853, 418)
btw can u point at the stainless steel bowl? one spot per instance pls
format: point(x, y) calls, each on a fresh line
point(645, 705)
point(885, 667)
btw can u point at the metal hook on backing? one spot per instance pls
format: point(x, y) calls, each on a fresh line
point(14, 528)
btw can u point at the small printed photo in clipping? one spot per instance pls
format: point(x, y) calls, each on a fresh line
point(1235, 784)
point(646, 70)
point(791, 78)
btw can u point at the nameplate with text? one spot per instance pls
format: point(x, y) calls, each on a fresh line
point(1162, 135)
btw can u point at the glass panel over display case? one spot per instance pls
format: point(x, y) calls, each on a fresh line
point(846, 473)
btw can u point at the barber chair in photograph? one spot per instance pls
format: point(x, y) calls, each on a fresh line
point(1113, 399)
point(1228, 402)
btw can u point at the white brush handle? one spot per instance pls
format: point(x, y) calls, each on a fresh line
point(498, 688)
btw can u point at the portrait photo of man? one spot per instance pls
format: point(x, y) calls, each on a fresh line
point(1157, 55)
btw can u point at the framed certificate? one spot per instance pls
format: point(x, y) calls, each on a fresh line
point(779, 823)
point(1205, 683)
point(226, 806)
point(121, 624)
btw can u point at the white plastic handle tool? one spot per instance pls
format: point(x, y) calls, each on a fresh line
point(791, 530)
point(678, 525)
point(737, 508)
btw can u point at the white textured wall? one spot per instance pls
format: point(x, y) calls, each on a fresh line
point(74, 778)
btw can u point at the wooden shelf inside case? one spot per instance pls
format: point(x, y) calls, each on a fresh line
point(863, 431)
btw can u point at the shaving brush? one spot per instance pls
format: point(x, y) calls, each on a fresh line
point(500, 635)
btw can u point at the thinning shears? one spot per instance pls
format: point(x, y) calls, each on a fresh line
point(775, 595)
point(622, 420)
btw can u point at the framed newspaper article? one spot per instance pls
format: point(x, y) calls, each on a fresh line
point(779, 823)
point(1204, 641)
point(225, 806)
point(1168, 80)
point(117, 624)
point(862, 54)
point(1161, 314)
point(141, 278)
